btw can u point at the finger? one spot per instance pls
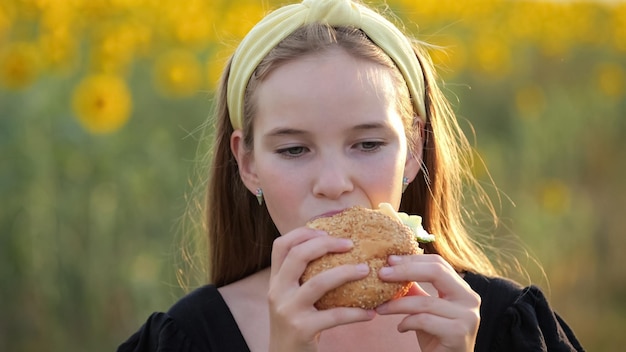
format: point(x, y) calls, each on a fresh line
point(451, 332)
point(433, 269)
point(433, 324)
point(428, 323)
point(330, 318)
point(419, 305)
point(418, 258)
point(298, 306)
point(318, 285)
point(299, 256)
point(283, 244)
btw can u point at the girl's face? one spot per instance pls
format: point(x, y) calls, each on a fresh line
point(327, 136)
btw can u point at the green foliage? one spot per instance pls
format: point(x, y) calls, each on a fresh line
point(89, 223)
point(90, 217)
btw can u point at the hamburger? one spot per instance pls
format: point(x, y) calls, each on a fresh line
point(376, 235)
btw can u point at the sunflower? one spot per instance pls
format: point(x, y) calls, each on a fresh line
point(102, 103)
point(19, 65)
point(611, 79)
point(178, 73)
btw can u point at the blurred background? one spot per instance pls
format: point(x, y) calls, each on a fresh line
point(100, 105)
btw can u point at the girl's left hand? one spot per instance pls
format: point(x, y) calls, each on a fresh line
point(446, 322)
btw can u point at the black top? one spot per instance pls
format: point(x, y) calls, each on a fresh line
point(513, 318)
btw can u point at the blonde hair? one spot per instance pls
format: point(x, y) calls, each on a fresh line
point(240, 232)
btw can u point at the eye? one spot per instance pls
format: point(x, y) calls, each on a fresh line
point(370, 146)
point(292, 152)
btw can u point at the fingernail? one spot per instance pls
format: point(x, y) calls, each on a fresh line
point(363, 268)
point(394, 259)
point(347, 242)
point(385, 271)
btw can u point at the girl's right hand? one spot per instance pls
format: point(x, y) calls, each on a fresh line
point(295, 324)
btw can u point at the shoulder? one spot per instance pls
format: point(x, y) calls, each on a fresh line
point(489, 285)
point(200, 321)
point(200, 304)
point(497, 293)
point(514, 317)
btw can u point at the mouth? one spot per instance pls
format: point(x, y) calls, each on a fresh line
point(327, 214)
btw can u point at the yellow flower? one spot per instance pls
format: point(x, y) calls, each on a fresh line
point(555, 37)
point(60, 49)
point(554, 196)
point(530, 101)
point(93, 11)
point(493, 55)
point(611, 79)
point(62, 14)
point(215, 67)
point(450, 58)
point(178, 73)
point(240, 17)
point(6, 20)
point(127, 4)
point(433, 11)
point(19, 65)
point(618, 25)
point(102, 103)
point(58, 37)
point(478, 165)
point(521, 26)
point(194, 25)
point(114, 48)
point(32, 8)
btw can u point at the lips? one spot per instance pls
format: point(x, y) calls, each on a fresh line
point(327, 214)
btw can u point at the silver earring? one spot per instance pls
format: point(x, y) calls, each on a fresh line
point(405, 183)
point(259, 196)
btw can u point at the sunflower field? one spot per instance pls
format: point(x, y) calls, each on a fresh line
point(101, 103)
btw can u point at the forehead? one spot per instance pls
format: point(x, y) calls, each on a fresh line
point(336, 59)
point(329, 83)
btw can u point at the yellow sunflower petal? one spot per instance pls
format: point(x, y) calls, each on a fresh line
point(102, 103)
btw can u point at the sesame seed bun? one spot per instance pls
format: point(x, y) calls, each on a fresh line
point(376, 236)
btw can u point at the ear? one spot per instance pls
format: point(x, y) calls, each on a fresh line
point(245, 161)
point(413, 162)
point(412, 165)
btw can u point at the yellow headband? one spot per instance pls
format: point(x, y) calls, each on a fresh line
point(279, 24)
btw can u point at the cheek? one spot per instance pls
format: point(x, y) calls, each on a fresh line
point(283, 193)
point(384, 182)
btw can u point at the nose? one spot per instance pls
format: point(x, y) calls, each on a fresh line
point(333, 179)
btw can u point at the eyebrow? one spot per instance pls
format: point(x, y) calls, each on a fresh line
point(286, 131)
point(370, 126)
